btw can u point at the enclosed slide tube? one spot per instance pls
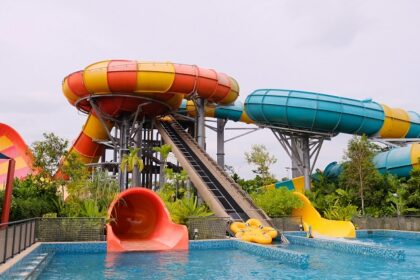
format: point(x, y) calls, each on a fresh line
point(330, 114)
point(110, 89)
point(316, 112)
point(139, 219)
point(13, 146)
point(398, 161)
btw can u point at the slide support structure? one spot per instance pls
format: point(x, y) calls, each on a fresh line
point(7, 202)
point(201, 126)
point(221, 123)
point(138, 144)
point(303, 150)
point(124, 142)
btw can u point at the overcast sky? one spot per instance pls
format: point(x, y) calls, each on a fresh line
point(355, 49)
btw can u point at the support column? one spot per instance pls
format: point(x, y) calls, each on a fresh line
point(296, 158)
point(221, 142)
point(306, 160)
point(201, 128)
point(123, 178)
point(138, 144)
point(7, 201)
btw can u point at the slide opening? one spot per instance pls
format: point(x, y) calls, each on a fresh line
point(136, 214)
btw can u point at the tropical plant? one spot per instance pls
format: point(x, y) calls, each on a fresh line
point(131, 160)
point(277, 202)
point(164, 151)
point(341, 213)
point(182, 209)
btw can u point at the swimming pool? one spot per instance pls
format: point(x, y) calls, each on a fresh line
point(237, 262)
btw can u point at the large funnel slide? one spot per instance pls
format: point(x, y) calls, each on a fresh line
point(13, 146)
point(330, 114)
point(139, 221)
point(107, 90)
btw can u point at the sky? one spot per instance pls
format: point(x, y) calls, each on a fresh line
point(357, 49)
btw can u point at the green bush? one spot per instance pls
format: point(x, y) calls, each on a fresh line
point(277, 202)
point(341, 213)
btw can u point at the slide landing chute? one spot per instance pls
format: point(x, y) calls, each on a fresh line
point(139, 221)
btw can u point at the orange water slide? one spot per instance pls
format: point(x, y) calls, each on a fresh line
point(108, 91)
point(117, 87)
point(13, 146)
point(139, 220)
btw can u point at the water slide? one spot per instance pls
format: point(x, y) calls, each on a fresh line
point(13, 146)
point(114, 88)
point(139, 219)
point(330, 114)
point(108, 91)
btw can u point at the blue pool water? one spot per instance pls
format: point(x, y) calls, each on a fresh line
point(231, 263)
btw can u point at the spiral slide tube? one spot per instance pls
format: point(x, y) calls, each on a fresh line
point(13, 146)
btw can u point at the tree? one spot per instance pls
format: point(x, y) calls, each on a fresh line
point(132, 160)
point(48, 153)
point(261, 158)
point(164, 151)
point(359, 171)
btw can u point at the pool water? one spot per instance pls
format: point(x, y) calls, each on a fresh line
point(196, 264)
point(238, 264)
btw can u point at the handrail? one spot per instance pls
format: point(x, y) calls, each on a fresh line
point(16, 237)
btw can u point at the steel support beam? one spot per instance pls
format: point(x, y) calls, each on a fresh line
point(221, 142)
point(303, 150)
point(123, 148)
point(201, 125)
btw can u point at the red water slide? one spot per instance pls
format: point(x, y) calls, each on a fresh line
point(139, 221)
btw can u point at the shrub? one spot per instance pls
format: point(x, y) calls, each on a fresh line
point(277, 202)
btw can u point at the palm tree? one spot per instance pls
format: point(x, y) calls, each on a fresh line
point(164, 151)
point(132, 160)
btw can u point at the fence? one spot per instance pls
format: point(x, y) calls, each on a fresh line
point(216, 228)
point(409, 223)
point(70, 229)
point(16, 237)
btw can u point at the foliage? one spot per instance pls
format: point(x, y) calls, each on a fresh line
point(92, 196)
point(131, 160)
point(341, 213)
point(359, 171)
point(277, 202)
point(32, 197)
point(260, 157)
point(48, 153)
point(176, 182)
point(164, 151)
point(181, 209)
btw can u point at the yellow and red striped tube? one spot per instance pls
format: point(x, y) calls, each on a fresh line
point(114, 83)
